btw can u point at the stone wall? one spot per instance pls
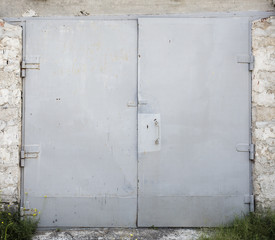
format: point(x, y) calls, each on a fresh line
point(263, 102)
point(263, 41)
point(10, 111)
point(94, 7)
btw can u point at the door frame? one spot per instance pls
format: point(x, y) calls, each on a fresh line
point(22, 22)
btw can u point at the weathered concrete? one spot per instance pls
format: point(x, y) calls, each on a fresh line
point(263, 102)
point(10, 111)
point(94, 7)
point(121, 234)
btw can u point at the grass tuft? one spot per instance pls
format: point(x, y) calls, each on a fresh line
point(13, 227)
point(254, 226)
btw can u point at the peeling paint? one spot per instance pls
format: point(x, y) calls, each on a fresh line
point(29, 13)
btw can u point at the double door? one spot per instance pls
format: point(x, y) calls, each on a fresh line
point(137, 122)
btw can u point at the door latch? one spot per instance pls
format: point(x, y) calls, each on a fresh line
point(157, 127)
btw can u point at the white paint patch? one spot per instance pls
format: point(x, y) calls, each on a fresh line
point(29, 13)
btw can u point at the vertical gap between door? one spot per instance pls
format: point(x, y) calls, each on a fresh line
point(137, 98)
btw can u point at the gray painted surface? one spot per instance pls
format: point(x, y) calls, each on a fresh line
point(81, 114)
point(149, 134)
point(189, 74)
point(76, 111)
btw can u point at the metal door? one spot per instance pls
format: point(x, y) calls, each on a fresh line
point(81, 122)
point(193, 116)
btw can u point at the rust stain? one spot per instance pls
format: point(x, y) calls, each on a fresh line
point(263, 19)
point(2, 24)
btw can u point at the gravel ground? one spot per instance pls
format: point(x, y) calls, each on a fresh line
point(120, 234)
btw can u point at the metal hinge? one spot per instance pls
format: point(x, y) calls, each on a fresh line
point(242, 147)
point(30, 151)
point(22, 159)
point(30, 62)
point(252, 151)
point(249, 199)
point(246, 59)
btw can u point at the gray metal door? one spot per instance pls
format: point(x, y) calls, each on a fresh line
point(193, 116)
point(81, 138)
point(81, 122)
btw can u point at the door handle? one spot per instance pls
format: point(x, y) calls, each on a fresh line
point(157, 131)
point(149, 132)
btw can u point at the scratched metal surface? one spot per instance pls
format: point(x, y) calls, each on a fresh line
point(189, 75)
point(77, 112)
point(81, 115)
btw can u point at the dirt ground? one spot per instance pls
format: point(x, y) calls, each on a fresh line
point(120, 234)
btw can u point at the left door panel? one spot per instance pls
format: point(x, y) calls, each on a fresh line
point(77, 106)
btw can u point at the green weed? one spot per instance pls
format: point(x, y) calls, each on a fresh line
point(15, 227)
point(254, 226)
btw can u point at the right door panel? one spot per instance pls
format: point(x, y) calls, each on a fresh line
point(191, 175)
